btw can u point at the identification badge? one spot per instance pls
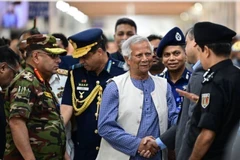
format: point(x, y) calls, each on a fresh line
point(205, 100)
point(83, 88)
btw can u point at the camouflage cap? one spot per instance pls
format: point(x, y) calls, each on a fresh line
point(47, 43)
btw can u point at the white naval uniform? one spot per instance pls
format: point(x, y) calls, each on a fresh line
point(57, 83)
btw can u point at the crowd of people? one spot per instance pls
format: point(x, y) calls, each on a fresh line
point(159, 98)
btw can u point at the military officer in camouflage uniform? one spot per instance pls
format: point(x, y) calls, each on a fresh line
point(35, 128)
point(83, 89)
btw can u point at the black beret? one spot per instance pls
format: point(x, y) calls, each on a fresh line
point(84, 41)
point(174, 37)
point(207, 33)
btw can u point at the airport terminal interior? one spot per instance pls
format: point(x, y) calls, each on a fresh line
point(151, 17)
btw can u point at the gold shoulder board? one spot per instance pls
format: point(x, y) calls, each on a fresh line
point(62, 72)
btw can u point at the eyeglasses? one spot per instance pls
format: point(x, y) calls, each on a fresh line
point(53, 56)
point(14, 70)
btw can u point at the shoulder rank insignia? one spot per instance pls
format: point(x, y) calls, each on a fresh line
point(184, 87)
point(47, 94)
point(205, 100)
point(62, 72)
point(120, 64)
point(188, 75)
point(28, 76)
point(109, 65)
point(16, 77)
point(208, 75)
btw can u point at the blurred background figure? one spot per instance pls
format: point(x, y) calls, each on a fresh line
point(124, 29)
point(10, 19)
point(157, 66)
point(235, 54)
point(66, 58)
point(63, 43)
point(22, 41)
point(9, 64)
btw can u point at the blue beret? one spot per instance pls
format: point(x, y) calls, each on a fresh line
point(84, 41)
point(174, 37)
point(207, 33)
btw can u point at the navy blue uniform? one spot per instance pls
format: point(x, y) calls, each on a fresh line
point(118, 56)
point(217, 109)
point(180, 84)
point(67, 62)
point(87, 140)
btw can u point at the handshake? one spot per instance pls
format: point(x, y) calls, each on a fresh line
point(148, 147)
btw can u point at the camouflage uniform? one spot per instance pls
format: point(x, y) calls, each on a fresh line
point(32, 100)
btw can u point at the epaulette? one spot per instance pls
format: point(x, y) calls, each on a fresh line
point(25, 75)
point(207, 76)
point(75, 66)
point(120, 64)
point(188, 75)
point(62, 72)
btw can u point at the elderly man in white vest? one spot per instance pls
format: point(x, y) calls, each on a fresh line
point(136, 108)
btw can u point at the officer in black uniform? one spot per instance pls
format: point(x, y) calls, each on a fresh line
point(84, 87)
point(216, 115)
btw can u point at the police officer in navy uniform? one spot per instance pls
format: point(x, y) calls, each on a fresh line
point(172, 51)
point(215, 119)
point(84, 87)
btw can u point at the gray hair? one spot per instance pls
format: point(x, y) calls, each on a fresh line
point(126, 47)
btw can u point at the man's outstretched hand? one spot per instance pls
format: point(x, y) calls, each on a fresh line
point(148, 147)
point(193, 97)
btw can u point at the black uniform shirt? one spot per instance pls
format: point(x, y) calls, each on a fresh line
point(218, 107)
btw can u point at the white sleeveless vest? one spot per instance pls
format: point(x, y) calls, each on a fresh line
point(130, 112)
